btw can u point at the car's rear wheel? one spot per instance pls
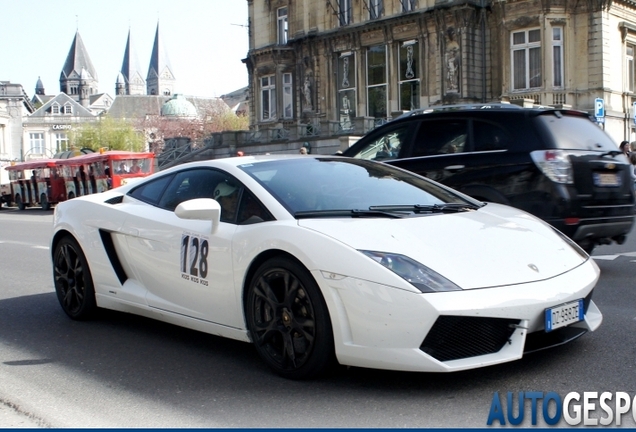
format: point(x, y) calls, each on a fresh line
point(73, 281)
point(288, 320)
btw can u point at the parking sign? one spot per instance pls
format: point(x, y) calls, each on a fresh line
point(599, 110)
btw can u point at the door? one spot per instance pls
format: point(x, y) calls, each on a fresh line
point(186, 269)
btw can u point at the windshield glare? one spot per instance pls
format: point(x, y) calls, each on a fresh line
point(329, 184)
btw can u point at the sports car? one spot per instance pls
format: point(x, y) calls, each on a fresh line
point(320, 260)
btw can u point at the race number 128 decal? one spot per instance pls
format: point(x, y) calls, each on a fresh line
point(194, 258)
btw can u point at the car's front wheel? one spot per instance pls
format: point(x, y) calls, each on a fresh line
point(72, 279)
point(288, 320)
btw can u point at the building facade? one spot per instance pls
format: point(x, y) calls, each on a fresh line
point(328, 72)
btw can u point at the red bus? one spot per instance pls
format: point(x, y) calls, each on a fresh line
point(98, 172)
point(36, 182)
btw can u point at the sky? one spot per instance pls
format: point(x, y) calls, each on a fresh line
point(205, 41)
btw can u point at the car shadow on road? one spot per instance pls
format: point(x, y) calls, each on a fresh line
point(162, 361)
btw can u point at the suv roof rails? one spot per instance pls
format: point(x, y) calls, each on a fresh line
point(437, 108)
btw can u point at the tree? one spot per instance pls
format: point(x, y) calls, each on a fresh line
point(110, 133)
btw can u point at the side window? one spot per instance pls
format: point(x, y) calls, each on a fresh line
point(489, 137)
point(386, 147)
point(251, 211)
point(439, 137)
point(190, 184)
point(151, 192)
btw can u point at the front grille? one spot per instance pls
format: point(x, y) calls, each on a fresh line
point(458, 337)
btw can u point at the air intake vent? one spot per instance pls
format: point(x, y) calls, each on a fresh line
point(115, 200)
point(458, 337)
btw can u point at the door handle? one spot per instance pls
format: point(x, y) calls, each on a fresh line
point(455, 167)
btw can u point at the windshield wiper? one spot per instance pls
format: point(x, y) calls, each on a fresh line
point(348, 213)
point(433, 208)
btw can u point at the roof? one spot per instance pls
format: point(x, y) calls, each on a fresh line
point(78, 60)
point(178, 106)
point(159, 58)
point(136, 106)
point(62, 99)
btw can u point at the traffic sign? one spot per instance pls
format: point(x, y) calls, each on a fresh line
point(634, 111)
point(599, 110)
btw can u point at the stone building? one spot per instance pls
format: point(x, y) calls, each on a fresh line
point(328, 72)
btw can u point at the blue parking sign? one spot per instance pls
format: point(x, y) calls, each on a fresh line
point(599, 107)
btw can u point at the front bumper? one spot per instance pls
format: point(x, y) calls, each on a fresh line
point(379, 326)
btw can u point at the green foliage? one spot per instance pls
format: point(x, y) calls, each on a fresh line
point(110, 133)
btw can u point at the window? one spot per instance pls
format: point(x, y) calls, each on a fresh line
point(281, 26)
point(375, 9)
point(630, 67)
point(68, 109)
point(61, 142)
point(36, 141)
point(377, 82)
point(151, 191)
point(55, 109)
point(268, 97)
point(557, 57)
point(489, 137)
point(408, 5)
point(409, 79)
point(440, 137)
point(288, 111)
point(345, 13)
point(387, 146)
point(526, 59)
point(346, 86)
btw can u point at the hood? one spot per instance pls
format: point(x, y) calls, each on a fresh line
point(493, 246)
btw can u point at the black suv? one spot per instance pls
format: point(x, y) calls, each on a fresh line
point(556, 164)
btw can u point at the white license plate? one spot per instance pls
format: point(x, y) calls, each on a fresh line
point(563, 315)
point(607, 179)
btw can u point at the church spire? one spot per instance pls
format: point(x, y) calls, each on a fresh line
point(79, 77)
point(131, 72)
point(160, 79)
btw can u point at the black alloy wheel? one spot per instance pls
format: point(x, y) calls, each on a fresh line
point(288, 320)
point(72, 279)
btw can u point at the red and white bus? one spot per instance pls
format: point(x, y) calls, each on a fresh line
point(36, 182)
point(98, 172)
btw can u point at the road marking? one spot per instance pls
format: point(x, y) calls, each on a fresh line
point(613, 257)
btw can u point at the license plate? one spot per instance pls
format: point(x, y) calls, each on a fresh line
point(607, 179)
point(563, 315)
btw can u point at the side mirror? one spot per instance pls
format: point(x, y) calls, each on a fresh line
point(200, 209)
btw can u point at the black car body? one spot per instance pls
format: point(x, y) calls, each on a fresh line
point(555, 164)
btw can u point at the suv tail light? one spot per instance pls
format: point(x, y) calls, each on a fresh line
point(555, 164)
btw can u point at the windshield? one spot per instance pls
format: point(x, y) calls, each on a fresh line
point(333, 184)
point(576, 133)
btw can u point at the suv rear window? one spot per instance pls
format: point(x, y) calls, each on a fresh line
point(569, 132)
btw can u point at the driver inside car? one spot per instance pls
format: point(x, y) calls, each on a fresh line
point(227, 197)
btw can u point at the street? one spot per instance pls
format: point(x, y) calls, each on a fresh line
point(127, 371)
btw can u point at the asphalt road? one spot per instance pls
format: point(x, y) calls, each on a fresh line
point(126, 371)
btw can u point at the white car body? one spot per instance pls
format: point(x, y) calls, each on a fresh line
point(507, 263)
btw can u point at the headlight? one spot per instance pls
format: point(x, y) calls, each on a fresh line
point(418, 275)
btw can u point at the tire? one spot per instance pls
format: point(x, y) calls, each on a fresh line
point(44, 203)
point(73, 281)
point(71, 195)
point(19, 202)
point(288, 320)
